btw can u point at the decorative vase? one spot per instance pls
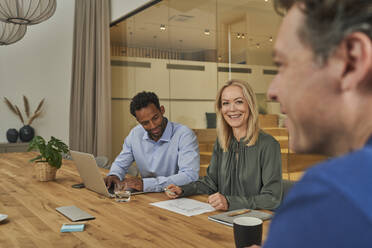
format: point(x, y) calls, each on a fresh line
point(26, 133)
point(45, 172)
point(12, 135)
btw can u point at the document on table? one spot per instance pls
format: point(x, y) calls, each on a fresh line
point(185, 206)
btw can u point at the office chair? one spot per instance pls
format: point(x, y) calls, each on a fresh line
point(102, 162)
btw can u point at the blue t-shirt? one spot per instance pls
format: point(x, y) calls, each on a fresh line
point(331, 206)
point(173, 159)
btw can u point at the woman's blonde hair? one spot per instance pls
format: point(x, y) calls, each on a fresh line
point(224, 130)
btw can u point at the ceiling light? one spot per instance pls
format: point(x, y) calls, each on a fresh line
point(238, 36)
point(243, 37)
point(162, 27)
point(207, 32)
point(11, 33)
point(27, 12)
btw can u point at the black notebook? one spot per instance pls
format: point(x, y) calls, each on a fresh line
point(225, 219)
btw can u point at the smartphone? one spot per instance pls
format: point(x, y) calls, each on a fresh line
point(78, 186)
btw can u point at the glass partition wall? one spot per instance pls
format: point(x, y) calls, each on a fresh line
point(185, 51)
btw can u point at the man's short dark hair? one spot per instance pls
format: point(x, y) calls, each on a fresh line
point(142, 100)
point(328, 22)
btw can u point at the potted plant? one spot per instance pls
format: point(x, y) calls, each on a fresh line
point(50, 158)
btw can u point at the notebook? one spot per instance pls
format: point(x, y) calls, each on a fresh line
point(225, 219)
point(74, 213)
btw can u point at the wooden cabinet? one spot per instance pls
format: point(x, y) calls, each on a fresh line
point(13, 147)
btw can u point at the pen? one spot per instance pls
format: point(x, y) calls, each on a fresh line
point(168, 191)
point(239, 212)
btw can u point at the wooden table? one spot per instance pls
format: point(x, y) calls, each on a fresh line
point(34, 222)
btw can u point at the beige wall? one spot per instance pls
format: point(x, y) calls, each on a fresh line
point(39, 66)
point(186, 94)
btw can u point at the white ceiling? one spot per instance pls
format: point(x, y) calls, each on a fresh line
point(186, 21)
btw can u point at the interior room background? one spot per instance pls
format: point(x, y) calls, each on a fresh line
point(182, 50)
point(185, 51)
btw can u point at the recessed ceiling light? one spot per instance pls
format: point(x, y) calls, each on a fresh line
point(162, 27)
point(271, 39)
point(207, 32)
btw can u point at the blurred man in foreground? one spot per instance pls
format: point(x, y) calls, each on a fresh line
point(324, 85)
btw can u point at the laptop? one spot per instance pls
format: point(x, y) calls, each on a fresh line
point(91, 175)
point(89, 172)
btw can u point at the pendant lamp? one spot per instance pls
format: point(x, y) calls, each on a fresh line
point(11, 33)
point(27, 12)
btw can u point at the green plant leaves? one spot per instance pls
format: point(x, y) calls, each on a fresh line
point(50, 152)
point(58, 145)
point(37, 143)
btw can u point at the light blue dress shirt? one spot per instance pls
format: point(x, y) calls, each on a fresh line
point(173, 159)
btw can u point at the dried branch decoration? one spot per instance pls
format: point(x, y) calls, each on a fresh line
point(27, 106)
point(39, 106)
point(19, 114)
point(33, 117)
point(16, 111)
point(10, 105)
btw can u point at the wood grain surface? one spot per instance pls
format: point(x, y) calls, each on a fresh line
point(34, 222)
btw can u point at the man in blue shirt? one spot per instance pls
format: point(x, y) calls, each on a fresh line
point(324, 85)
point(165, 152)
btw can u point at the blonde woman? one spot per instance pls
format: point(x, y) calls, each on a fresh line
point(245, 169)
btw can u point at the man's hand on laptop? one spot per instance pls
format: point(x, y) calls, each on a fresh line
point(111, 181)
point(134, 183)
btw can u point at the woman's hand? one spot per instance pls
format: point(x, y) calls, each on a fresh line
point(173, 191)
point(218, 201)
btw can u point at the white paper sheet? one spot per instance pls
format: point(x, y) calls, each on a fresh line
point(185, 206)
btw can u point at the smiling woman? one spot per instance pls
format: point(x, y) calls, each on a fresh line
point(235, 110)
point(245, 169)
point(237, 113)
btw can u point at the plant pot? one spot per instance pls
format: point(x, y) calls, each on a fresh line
point(26, 133)
point(45, 172)
point(12, 135)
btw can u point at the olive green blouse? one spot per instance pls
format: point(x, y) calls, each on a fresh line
point(248, 176)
